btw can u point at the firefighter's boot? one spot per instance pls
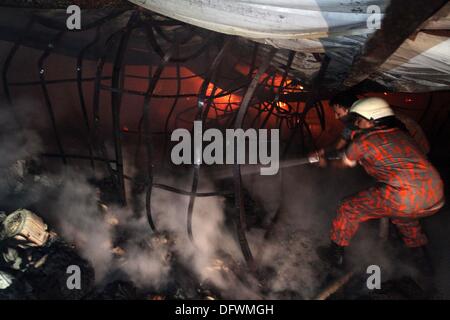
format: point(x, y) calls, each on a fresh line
point(333, 254)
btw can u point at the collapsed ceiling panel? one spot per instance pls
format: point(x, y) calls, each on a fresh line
point(337, 28)
point(262, 19)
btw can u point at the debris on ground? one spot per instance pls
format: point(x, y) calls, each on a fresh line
point(34, 260)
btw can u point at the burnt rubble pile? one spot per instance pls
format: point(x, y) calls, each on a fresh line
point(39, 271)
point(36, 261)
point(35, 264)
point(35, 258)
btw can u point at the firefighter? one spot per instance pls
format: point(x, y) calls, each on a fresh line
point(408, 186)
point(341, 104)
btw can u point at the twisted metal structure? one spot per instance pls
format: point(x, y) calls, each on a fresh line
point(260, 93)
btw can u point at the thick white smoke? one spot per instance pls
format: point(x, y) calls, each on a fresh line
point(308, 199)
point(79, 222)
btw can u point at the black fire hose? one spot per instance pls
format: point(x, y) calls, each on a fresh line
point(255, 169)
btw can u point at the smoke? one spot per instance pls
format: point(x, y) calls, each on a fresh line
point(66, 200)
point(18, 142)
point(306, 196)
point(147, 265)
point(17, 139)
point(94, 232)
point(69, 203)
point(145, 257)
point(211, 238)
point(79, 222)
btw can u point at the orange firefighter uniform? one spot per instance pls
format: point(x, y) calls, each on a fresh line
point(408, 188)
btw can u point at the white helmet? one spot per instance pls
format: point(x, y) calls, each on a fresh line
point(372, 108)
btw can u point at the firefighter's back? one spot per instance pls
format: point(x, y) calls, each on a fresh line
point(393, 158)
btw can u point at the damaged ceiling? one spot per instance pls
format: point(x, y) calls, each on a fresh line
point(338, 29)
